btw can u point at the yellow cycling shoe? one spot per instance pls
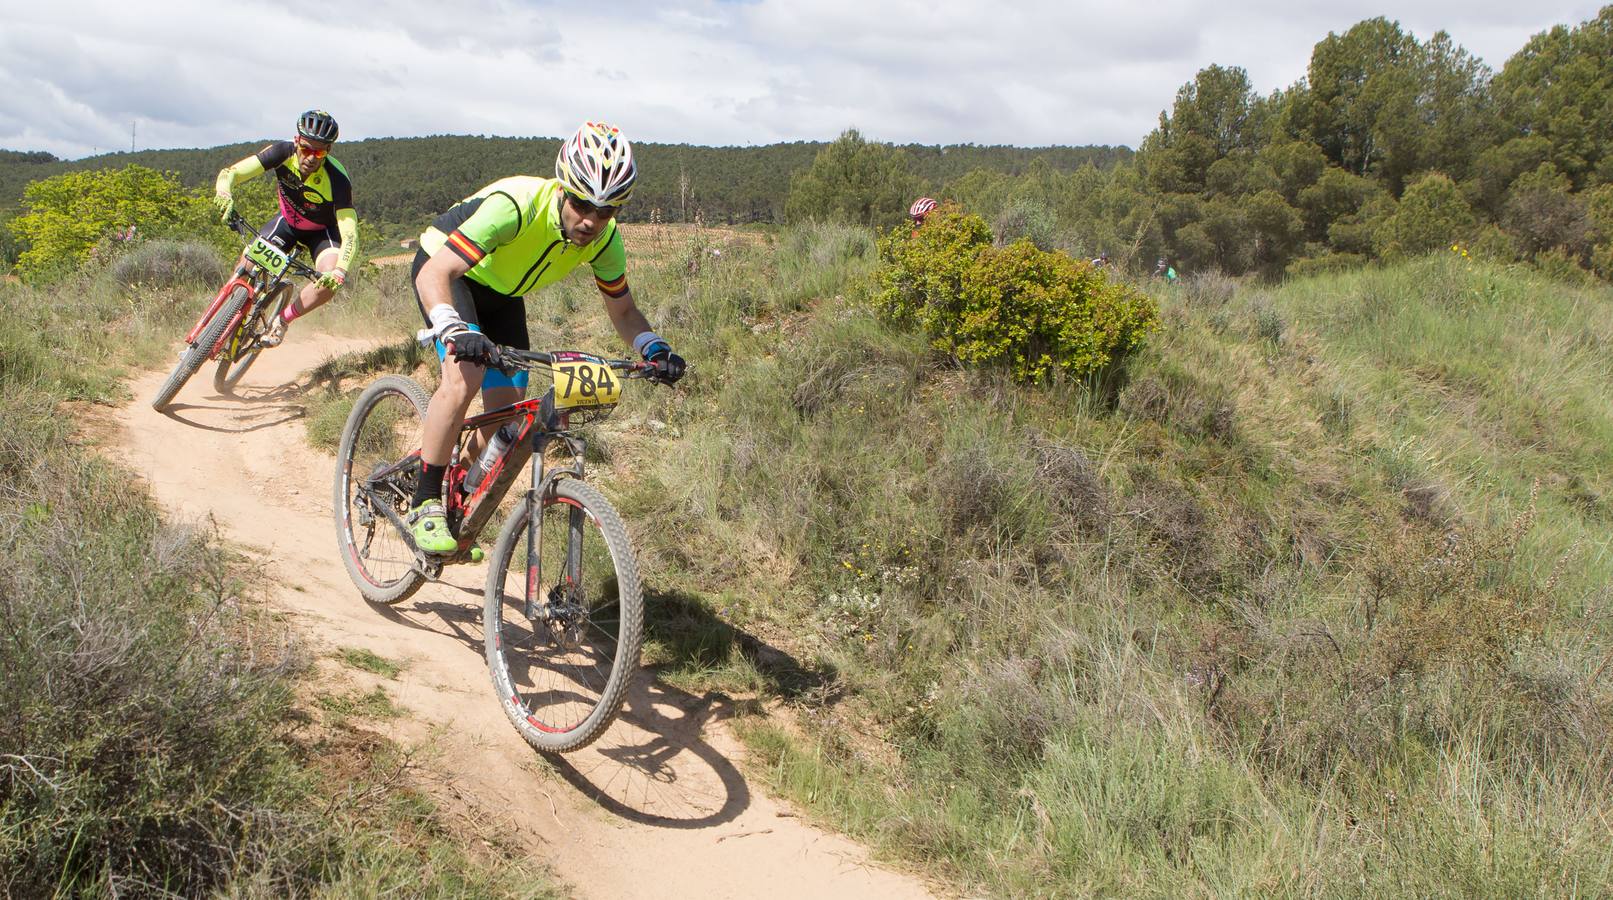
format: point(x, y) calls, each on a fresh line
point(428, 524)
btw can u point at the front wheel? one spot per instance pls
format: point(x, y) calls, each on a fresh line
point(197, 353)
point(232, 363)
point(377, 466)
point(564, 620)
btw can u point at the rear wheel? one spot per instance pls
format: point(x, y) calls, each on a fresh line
point(197, 353)
point(562, 660)
point(377, 466)
point(232, 364)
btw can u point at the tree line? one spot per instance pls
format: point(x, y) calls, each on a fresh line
point(400, 184)
point(1390, 146)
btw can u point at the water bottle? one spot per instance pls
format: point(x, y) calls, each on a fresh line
point(502, 439)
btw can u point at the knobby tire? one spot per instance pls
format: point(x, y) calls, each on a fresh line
point(228, 374)
point(197, 353)
point(520, 654)
point(355, 540)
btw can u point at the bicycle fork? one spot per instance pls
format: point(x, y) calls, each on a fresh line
point(561, 611)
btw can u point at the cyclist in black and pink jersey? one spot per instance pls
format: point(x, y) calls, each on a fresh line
point(316, 208)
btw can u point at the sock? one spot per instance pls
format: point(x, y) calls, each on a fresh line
point(291, 312)
point(430, 485)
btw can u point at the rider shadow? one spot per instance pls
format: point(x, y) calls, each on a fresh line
point(641, 768)
point(655, 765)
point(261, 418)
point(265, 394)
point(256, 407)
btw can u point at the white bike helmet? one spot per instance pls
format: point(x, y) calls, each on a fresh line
point(596, 165)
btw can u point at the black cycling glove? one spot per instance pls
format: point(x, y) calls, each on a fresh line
point(669, 366)
point(471, 346)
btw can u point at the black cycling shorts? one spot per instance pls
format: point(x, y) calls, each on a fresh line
point(499, 316)
point(280, 233)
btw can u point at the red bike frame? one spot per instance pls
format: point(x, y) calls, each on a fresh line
point(238, 281)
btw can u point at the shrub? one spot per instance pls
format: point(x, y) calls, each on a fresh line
point(1028, 219)
point(68, 214)
point(168, 264)
point(1432, 214)
point(1033, 311)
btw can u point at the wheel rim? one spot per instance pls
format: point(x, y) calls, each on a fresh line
point(388, 432)
point(559, 664)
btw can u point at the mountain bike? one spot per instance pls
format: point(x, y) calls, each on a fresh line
point(563, 607)
point(231, 328)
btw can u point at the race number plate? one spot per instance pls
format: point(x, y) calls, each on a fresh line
point(267, 256)
point(581, 380)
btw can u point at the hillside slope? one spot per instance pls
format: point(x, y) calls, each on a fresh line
point(1311, 600)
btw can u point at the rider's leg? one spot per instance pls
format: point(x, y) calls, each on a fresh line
point(444, 415)
point(503, 320)
point(493, 397)
point(309, 299)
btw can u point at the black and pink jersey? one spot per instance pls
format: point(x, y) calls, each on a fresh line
point(310, 204)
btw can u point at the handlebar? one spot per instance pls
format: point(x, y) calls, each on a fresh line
point(297, 267)
point(512, 360)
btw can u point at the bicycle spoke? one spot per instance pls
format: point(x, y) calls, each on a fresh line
point(376, 476)
point(565, 668)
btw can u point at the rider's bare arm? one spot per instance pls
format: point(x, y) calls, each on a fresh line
point(437, 276)
point(624, 314)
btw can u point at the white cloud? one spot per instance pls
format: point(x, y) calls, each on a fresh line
point(73, 76)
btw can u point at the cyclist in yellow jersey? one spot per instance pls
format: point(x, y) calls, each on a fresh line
point(316, 208)
point(476, 262)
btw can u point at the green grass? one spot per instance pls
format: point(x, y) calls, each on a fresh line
point(369, 661)
point(149, 740)
point(1307, 600)
point(372, 704)
point(1304, 603)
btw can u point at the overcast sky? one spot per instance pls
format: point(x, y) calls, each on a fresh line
point(74, 74)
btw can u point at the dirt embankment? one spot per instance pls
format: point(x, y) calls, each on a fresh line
point(657, 807)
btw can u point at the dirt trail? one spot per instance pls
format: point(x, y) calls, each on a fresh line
point(656, 807)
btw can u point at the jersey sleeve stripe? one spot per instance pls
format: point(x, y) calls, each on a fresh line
point(613, 289)
point(466, 248)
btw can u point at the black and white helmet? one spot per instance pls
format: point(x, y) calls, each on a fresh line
point(317, 125)
point(596, 165)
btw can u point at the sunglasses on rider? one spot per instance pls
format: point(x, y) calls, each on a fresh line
point(315, 151)
point(588, 209)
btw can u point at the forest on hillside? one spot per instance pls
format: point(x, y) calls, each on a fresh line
point(407, 181)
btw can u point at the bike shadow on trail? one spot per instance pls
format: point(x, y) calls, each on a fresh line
point(260, 417)
point(641, 770)
point(243, 409)
point(655, 765)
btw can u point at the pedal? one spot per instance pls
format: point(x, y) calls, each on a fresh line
point(476, 554)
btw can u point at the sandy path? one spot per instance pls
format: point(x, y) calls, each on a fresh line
point(656, 807)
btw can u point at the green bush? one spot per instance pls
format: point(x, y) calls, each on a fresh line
point(168, 264)
point(1432, 214)
point(68, 214)
point(1031, 310)
point(1028, 219)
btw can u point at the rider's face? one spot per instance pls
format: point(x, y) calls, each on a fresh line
point(310, 154)
point(582, 221)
